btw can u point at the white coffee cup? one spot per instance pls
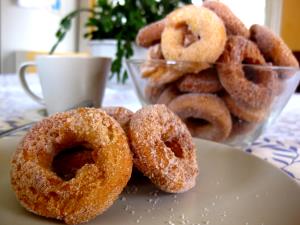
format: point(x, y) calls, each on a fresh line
point(68, 81)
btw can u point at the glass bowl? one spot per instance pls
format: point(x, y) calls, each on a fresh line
point(253, 95)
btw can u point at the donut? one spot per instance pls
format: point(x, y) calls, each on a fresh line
point(247, 84)
point(95, 186)
point(150, 34)
point(164, 74)
point(245, 113)
point(163, 149)
point(168, 95)
point(120, 114)
point(206, 81)
point(205, 115)
point(233, 25)
point(204, 24)
point(152, 93)
point(152, 64)
point(241, 128)
point(272, 47)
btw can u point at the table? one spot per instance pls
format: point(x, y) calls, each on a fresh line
point(280, 145)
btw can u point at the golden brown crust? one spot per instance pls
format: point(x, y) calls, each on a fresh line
point(255, 93)
point(207, 107)
point(203, 23)
point(163, 149)
point(95, 186)
point(206, 81)
point(245, 113)
point(272, 47)
point(234, 26)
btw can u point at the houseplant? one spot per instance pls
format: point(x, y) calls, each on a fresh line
point(120, 20)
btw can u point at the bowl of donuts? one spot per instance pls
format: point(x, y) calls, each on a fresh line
point(227, 83)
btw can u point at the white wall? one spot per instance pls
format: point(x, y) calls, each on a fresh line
point(31, 29)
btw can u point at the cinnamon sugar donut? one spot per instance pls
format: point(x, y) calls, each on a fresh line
point(245, 113)
point(150, 34)
point(96, 184)
point(234, 26)
point(206, 115)
point(249, 85)
point(168, 95)
point(163, 149)
point(164, 74)
point(202, 23)
point(272, 47)
point(120, 114)
point(206, 81)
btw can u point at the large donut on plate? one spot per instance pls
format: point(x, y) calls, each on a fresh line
point(96, 184)
point(234, 26)
point(204, 24)
point(251, 85)
point(163, 149)
point(272, 47)
point(206, 115)
point(207, 81)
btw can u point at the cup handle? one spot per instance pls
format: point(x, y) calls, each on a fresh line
point(24, 83)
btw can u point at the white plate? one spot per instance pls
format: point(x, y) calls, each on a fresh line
point(233, 188)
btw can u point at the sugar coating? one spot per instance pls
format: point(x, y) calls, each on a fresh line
point(95, 186)
point(204, 106)
point(120, 114)
point(234, 26)
point(163, 148)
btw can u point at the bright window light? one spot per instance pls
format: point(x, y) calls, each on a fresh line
point(250, 12)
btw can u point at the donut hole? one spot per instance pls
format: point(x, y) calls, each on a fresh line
point(189, 36)
point(250, 74)
point(196, 121)
point(175, 147)
point(66, 163)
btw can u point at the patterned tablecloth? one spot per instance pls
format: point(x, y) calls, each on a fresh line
point(280, 145)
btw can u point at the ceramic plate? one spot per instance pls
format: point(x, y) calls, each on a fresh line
point(233, 188)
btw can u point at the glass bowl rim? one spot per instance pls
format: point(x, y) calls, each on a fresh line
point(176, 62)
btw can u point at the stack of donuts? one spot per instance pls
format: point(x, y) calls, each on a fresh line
point(207, 67)
point(73, 165)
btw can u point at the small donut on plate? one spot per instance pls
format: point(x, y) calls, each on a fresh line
point(202, 23)
point(207, 81)
point(163, 148)
point(252, 85)
point(120, 114)
point(206, 115)
point(95, 186)
point(150, 34)
point(234, 26)
point(245, 113)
